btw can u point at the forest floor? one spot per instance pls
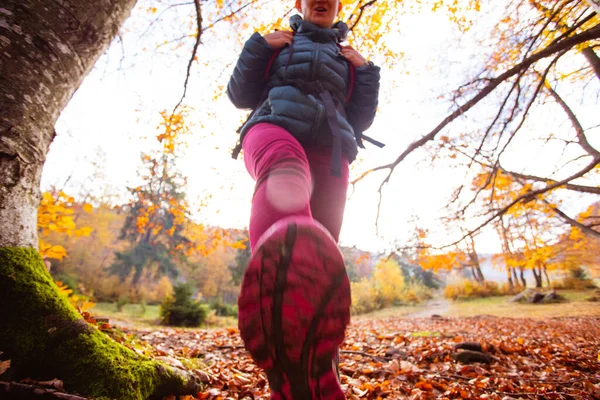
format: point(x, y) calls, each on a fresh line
point(544, 352)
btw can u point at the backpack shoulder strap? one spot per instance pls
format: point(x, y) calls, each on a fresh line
point(273, 58)
point(351, 77)
point(270, 63)
point(350, 81)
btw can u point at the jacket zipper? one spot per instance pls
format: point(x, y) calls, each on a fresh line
point(314, 61)
point(313, 74)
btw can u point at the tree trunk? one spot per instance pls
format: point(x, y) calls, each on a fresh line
point(510, 280)
point(546, 275)
point(480, 274)
point(475, 265)
point(537, 274)
point(515, 277)
point(522, 275)
point(47, 48)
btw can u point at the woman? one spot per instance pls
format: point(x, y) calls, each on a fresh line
point(311, 98)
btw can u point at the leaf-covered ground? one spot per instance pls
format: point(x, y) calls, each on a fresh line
point(556, 358)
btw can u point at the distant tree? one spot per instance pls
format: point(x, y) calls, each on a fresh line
point(242, 257)
point(182, 309)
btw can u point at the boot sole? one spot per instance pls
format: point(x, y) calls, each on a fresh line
point(294, 307)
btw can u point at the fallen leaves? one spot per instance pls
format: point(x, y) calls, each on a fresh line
point(412, 359)
point(408, 359)
point(4, 365)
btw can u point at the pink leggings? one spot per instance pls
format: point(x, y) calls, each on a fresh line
point(292, 181)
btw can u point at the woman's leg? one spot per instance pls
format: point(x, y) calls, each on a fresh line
point(329, 193)
point(328, 199)
point(294, 303)
point(278, 164)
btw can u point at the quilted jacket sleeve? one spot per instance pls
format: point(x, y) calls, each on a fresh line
point(247, 83)
point(362, 106)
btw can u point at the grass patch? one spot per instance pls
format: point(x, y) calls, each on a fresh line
point(426, 334)
point(134, 316)
point(576, 305)
point(392, 312)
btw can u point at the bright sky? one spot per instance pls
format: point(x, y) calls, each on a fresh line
point(115, 113)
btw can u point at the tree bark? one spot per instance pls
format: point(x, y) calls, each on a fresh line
point(47, 47)
point(515, 277)
point(537, 276)
point(522, 275)
point(475, 265)
point(480, 273)
point(593, 59)
point(510, 280)
point(546, 275)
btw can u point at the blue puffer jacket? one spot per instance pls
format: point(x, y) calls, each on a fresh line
point(305, 88)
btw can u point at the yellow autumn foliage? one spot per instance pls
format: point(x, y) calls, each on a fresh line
point(56, 216)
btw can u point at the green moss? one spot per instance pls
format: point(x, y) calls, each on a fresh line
point(45, 338)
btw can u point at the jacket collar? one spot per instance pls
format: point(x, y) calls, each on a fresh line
point(337, 33)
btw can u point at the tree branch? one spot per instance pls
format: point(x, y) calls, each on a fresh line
point(231, 14)
point(524, 198)
point(573, 28)
point(582, 139)
point(499, 114)
point(194, 51)
point(595, 4)
point(593, 59)
point(155, 20)
point(593, 33)
point(361, 10)
point(569, 186)
point(573, 222)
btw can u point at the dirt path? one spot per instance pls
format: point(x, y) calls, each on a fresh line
point(438, 306)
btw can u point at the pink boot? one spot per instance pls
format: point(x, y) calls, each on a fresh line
point(294, 307)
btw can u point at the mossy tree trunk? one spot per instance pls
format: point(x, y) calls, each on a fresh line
point(46, 338)
point(47, 47)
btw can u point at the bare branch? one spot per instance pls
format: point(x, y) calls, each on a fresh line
point(590, 34)
point(530, 104)
point(583, 142)
point(194, 51)
point(231, 14)
point(498, 115)
point(573, 222)
point(361, 10)
point(543, 28)
point(523, 198)
point(594, 4)
point(573, 28)
point(155, 20)
point(569, 186)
